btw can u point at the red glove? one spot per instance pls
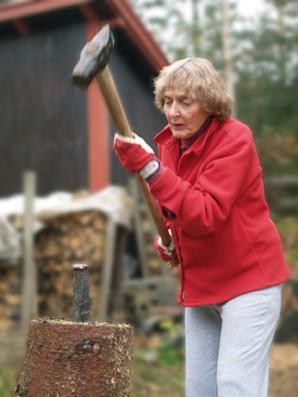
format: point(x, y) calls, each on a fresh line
point(166, 253)
point(133, 152)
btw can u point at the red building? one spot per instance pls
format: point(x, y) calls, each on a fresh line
point(46, 123)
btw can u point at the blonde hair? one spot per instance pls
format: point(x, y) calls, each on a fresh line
point(198, 77)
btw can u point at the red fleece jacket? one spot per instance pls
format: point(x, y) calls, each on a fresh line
point(225, 239)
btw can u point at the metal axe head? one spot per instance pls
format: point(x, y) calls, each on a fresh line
point(94, 57)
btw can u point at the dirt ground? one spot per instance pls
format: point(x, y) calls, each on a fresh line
point(284, 370)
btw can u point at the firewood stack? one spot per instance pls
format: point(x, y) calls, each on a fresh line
point(77, 237)
point(73, 238)
point(10, 296)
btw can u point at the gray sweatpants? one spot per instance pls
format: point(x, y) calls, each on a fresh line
point(227, 346)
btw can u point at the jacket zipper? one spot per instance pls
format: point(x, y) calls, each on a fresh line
point(181, 286)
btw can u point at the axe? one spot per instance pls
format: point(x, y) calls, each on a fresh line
point(93, 62)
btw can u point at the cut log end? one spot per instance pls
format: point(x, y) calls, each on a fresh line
point(77, 359)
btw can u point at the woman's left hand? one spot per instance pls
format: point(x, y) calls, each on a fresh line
point(133, 152)
point(166, 253)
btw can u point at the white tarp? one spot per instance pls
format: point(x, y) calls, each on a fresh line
point(112, 201)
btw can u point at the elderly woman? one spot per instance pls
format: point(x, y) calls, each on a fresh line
point(208, 182)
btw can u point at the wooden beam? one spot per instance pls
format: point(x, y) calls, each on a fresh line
point(138, 34)
point(29, 290)
point(21, 27)
point(117, 22)
point(137, 221)
point(91, 15)
point(88, 12)
point(98, 130)
point(106, 283)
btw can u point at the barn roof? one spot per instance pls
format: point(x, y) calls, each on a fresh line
point(118, 13)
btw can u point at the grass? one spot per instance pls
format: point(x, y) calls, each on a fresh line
point(7, 381)
point(159, 365)
point(163, 378)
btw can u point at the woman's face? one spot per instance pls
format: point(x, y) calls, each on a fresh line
point(183, 112)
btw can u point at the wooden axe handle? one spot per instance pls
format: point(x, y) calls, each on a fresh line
point(112, 99)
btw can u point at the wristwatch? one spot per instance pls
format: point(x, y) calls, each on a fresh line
point(149, 169)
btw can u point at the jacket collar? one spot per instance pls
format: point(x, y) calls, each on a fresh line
point(165, 136)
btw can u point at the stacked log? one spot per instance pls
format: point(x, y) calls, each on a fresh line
point(10, 296)
point(77, 237)
point(68, 239)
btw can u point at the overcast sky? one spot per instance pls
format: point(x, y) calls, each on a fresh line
point(250, 7)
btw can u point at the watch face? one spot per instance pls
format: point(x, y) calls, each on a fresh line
point(149, 169)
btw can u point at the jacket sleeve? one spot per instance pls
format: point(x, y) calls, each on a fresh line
point(201, 208)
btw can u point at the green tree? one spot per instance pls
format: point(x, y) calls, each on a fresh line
point(187, 28)
point(267, 72)
point(169, 24)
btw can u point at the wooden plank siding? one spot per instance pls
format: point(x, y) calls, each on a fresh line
point(47, 124)
point(42, 115)
point(136, 92)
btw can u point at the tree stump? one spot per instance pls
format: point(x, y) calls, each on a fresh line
point(69, 359)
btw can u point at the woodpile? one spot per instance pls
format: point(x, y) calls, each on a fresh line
point(10, 296)
point(81, 237)
point(67, 239)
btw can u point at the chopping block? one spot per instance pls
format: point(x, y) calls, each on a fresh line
point(77, 358)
